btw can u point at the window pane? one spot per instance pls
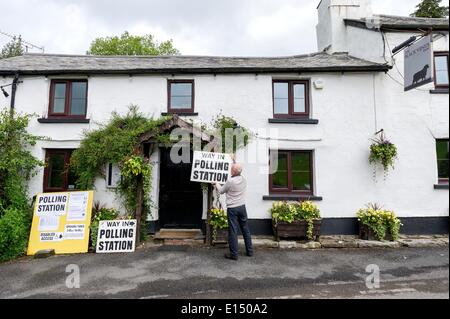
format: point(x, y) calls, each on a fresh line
point(181, 89)
point(60, 90)
point(441, 65)
point(79, 90)
point(299, 106)
point(56, 171)
point(281, 106)
point(280, 90)
point(78, 107)
point(299, 91)
point(301, 177)
point(442, 148)
point(181, 102)
point(59, 105)
point(280, 177)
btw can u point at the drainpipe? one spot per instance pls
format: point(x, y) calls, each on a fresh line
point(13, 91)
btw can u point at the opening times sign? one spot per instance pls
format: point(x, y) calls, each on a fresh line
point(61, 222)
point(210, 167)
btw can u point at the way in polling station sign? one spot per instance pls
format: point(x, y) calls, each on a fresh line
point(116, 236)
point(208, 167)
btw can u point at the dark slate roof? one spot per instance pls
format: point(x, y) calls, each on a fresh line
point(398, 22)
point(89, 64)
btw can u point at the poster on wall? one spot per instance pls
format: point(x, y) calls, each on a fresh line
point(419, 63)
point(116, 236)
point(210, 167)
point(61, 222)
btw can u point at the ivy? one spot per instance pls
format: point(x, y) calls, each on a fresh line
point(17, 166)
point(117, 142)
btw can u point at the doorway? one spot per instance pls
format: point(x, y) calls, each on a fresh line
point(180, 200)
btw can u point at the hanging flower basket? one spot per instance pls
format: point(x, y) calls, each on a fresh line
point(383, 152)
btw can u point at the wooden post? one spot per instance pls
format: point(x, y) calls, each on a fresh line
point(140, 190)
point(208, 215)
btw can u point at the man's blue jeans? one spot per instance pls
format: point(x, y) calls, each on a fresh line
point(237, 217)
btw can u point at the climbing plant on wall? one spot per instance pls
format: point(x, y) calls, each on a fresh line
point(117, 142)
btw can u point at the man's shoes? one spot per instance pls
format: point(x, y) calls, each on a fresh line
point(249, 254)
point(229, 256)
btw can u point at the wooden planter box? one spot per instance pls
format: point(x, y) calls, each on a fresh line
point(221, 237)
point(366, 233)
point(297, 229)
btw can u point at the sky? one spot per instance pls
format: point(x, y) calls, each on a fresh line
point(197, 27)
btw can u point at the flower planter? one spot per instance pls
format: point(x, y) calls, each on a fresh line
point(366, 233)
point(221, 236)
point(296, 229)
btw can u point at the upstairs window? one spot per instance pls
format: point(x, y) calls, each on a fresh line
point(441, 74)
point(181, 96)
point(68, 98)
point(442, 150)
point(290, 99)
point(292, 172)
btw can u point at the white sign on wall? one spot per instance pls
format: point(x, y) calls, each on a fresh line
point(211, 167)
point(116, 236)
point(419, 63)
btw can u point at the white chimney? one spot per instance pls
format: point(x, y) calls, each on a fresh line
point(331, 29)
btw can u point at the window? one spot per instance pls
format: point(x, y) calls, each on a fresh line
point(292, 172)
point(441, 74)
point(290, 99)
point(113, 176)
point(68, 98)
point(442, 160)
point(181, 96)
point(57, 176)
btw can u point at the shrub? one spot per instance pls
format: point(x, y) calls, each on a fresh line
point(14, 230)
point(291, 212)
point(97, 215)
point(380, 221)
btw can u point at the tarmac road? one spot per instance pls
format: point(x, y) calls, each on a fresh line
point(197, 272)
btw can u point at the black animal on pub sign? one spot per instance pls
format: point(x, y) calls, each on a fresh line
point(421, 75)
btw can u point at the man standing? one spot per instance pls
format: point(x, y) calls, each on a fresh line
point(234, 189)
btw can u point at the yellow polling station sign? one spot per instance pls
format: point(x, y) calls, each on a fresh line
point(61, 222)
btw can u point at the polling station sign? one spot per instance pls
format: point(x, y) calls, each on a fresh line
point(210, 167)
point(418, 63)
point(116, 236)
point(61, 222)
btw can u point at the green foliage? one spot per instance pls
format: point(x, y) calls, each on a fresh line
point(218, 220)
point(12, 48)
point(99, 214)
point(232, 135)
point(17, 166)
point(430, 9)
point(296, 211)
point(384, 152)
point(117, 142)
point(380, 221)
point(128, 44)
point(14, 230)
point(113, 142)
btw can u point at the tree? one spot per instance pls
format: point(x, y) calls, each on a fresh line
point(430, 9)
point(12, 48)
point(128, 44)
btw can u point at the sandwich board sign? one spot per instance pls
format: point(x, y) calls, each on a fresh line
point(116, 236)
point(208, 167)
point(61, 222)
point(419, 63)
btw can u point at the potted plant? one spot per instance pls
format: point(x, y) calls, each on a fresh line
point(296, 220)
point(376, 223)
point(383, 152)
point(219, 225)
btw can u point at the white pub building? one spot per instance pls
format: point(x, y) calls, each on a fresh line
point(325, 107)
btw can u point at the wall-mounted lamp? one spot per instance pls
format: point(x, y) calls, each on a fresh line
point(4, 92)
